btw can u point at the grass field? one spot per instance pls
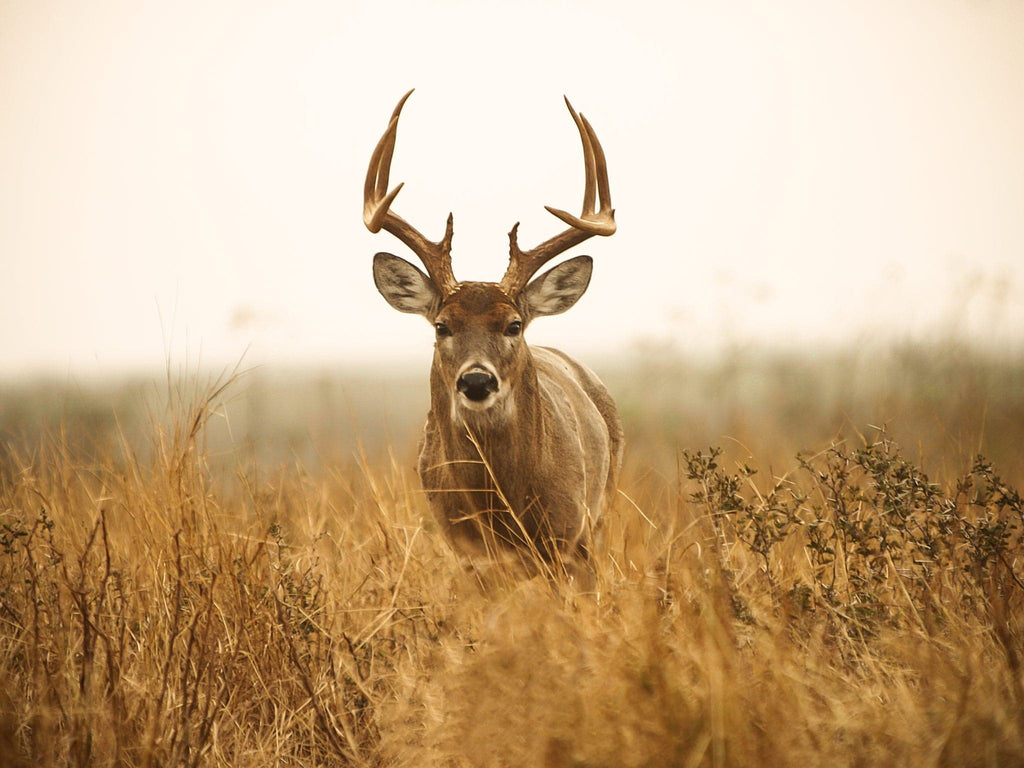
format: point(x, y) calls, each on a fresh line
point(808, 564)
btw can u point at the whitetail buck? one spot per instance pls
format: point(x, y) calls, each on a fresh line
point(522, 445)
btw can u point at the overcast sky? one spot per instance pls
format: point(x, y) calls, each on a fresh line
point(184, 179)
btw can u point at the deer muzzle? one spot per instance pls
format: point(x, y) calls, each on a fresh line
point(477, 384)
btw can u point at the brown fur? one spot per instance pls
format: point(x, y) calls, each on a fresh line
point(536, 475)
point(521, 449)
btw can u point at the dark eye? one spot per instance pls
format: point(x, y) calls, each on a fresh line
point(514, 328)
point(442, 329)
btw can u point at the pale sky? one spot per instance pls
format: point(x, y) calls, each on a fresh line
point(183, 180)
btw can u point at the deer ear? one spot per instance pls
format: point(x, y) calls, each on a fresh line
point(404, 286)
point(558, 288)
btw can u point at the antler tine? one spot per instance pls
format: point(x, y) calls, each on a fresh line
point(524, 264)
point(376, 201)
point(377, 214)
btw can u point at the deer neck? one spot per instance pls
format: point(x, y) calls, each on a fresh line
point(503, 431)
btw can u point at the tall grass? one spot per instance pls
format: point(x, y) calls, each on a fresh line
point(840, 607)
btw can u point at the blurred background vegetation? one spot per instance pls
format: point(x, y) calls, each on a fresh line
point(942, 402)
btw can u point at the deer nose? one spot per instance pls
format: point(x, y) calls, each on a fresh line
point(477, 385)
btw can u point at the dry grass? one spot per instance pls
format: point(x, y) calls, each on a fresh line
point(840, 610)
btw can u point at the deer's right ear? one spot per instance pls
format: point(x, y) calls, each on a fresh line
point(404, 286)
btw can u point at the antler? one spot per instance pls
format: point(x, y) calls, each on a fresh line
point(522, 265)
point(377, 215)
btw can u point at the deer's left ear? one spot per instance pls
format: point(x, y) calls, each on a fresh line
point(559, 288)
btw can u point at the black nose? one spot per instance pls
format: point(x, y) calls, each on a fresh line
point(477, 385)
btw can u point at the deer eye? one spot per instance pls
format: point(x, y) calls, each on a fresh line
point(442, 330)
point(514, 328)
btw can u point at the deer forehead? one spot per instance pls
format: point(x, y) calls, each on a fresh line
point(478, 304)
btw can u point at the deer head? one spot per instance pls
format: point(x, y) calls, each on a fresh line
point(480, 352)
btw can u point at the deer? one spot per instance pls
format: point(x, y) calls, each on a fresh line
point(522, 445)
